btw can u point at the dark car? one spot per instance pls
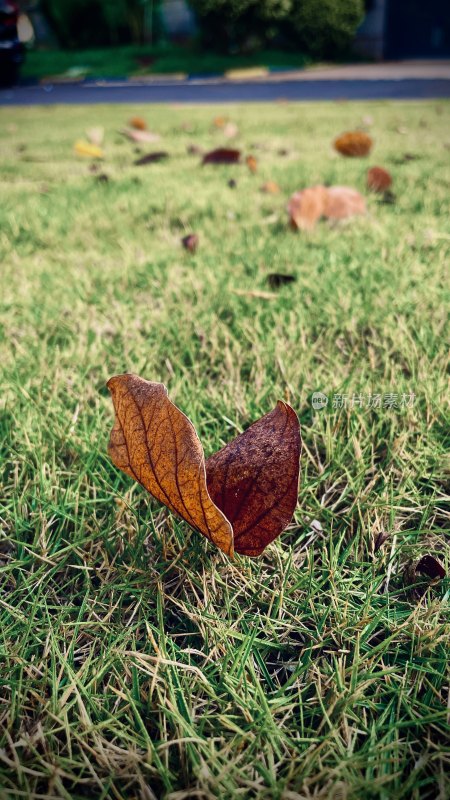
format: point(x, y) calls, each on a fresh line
point(11, 49)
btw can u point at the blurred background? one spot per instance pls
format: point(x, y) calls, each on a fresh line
point(78, 39)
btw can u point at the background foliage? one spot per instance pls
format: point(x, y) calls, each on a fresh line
point(87, 23)
point(323, 28)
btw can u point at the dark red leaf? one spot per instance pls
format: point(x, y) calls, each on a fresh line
point(379, 540)
point(277, 279)
point(254, 479)
point(152, 158)
point(190, 242)
point(431, 567)
point(222, 155)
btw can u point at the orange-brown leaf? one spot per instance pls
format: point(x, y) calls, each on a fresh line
point(139, 123)
point(157, 445)
point(353, 144)
point(306, 207)
point(342, 202)
point(254, 479)
point(270, 187)
point(252, 163)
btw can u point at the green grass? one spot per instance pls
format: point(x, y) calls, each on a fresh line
point(123, 61)
point(136, 660)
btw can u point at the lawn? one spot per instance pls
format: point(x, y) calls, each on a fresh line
point(137, 660)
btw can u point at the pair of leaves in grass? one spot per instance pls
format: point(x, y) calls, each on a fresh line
point(241, 498)
point(306, 207)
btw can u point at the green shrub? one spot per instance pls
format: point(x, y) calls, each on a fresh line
point(325, 27)
point(319, 27)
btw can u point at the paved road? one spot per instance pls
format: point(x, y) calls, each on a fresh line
point(220, 91)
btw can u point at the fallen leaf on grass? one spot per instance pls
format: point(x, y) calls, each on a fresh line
point(379, 540)
point(140, 137)
point(152, 158)
point(431, 567)
point(378, 179)
point(222, 155)
point(270, 187)
point(241, 498)
point(353, 144)
point(219, 122)
point(96, 135)
point(230, 130)
point(258, 293)
point(252, 163)
point(277, 279)
point(305, 208)
point(138, 122)
point(419, 575)
point(190, 242)
point(87, 150)
point(342, 202)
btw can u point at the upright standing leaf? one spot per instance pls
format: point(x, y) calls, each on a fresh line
point(157, 445)
point(254, 479)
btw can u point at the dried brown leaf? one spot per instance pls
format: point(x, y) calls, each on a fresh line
point(431, 567)
point(252, 163)
point(254, 479)
point(353, 144)
point(277, 279)
point(306, 207)
point(140, 137)
point(270, 187)
point(152, 158)
point(342, 202)
point(378, 179)
point(138, 123)
point(157, 445)
point(379, 540)
point(190, 242)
